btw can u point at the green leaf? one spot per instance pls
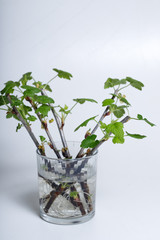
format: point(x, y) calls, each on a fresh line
point(25, 78)
point(25, 108)
point(111, 82)
point(47, 87)
point(117, 139)
point(83, 100)
point(30, 91)
point(118, 111)
point(151, 124)
point(63, 74)
point(9, 88)
point(64, 110)
point(85, 123)
point(32, 118)
point(35, 89)
point(43, 99)
point(107, 102)
point(15, 101)
point(41, 86)
point(103, 125)
point(18, 127)
point(43, 109)
point(117, 129)
point(122, 99)
point(123, 81)
point(140, 117)
point(90, 142)
point(9, 115)
point(138, 136)
point(42, 138)
point(134, 83)
point(74, 194)
point(3, 100)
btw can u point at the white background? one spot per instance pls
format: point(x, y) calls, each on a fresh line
point(94, 40)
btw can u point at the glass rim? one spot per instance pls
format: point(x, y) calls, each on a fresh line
point(66, 159)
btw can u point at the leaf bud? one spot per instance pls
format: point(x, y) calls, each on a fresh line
point(87, 134)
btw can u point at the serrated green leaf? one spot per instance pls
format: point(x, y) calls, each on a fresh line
point(43, 99)
point(118, 111)
point(117, 129)
point(30, 91)
point(123, 81)
point(134, 83)
point(107, 102)
point(35, 89)
point(32, 118)
point(25, 78)
point(73, 194)
point(84, 124)
point(25, 108)
point(63, 74)
point(64, 110)
point(137, 136)
point(41, 86)
point(65, 107)
point(38, 84)
point(3, 100)
point(43, 109)
point(9, 88)
point(124, 100)
point(9, 115)
point(90, 142)
point(111, 82)
point(103, 125)
point(18, 127)
point(117, 139)
point(47, 87)
point(42, 138)
point(83, 100)
point(15, 101)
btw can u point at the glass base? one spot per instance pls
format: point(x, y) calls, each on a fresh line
point(67, 221)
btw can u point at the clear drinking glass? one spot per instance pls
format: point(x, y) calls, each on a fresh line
point(67, 187)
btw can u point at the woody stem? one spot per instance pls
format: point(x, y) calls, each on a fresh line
point(25, 124)
point(60, 129)
point(44, 124)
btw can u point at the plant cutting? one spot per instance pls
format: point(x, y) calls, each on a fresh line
point(67, 170)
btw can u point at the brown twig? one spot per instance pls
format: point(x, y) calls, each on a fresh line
point(77, 201)
point(44, 124)
point(25, 124)
point(86, 193)
point(105, 113)
point(60, 129)
point(124, 120)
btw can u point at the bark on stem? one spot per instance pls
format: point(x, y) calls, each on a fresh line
point(76, 202)
point(78, 170)
point(124, 120)
point(53, 145)
point(25, 124)
point(81, 152)
point(60, 129)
